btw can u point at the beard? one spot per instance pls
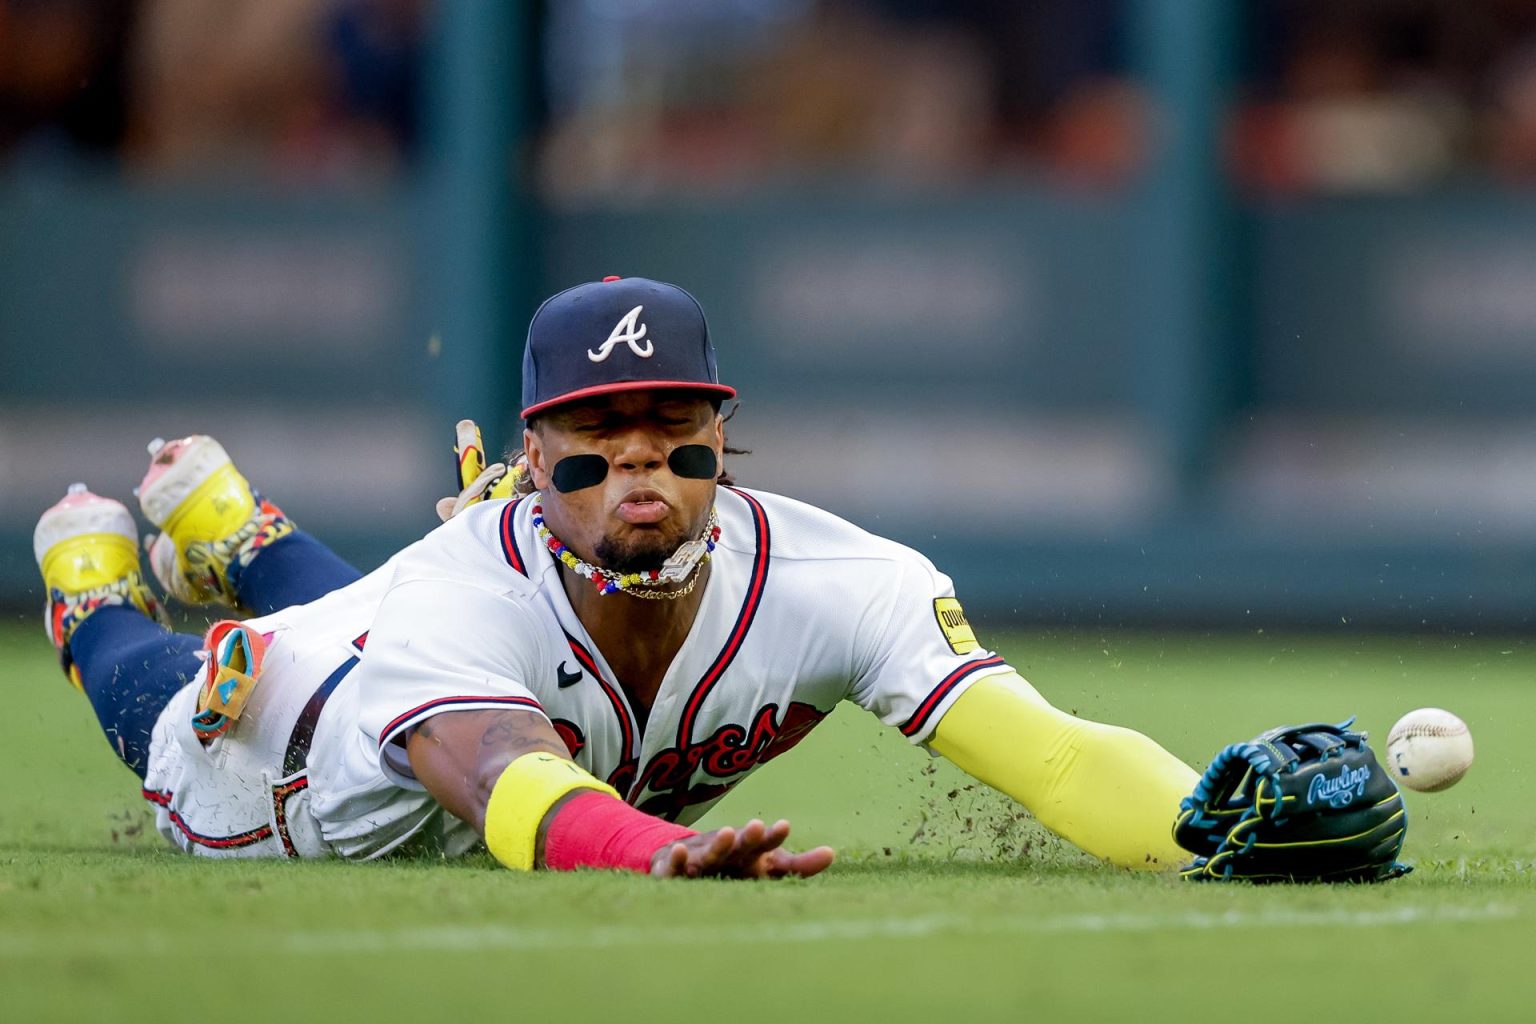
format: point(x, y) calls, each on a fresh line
point(641, 551)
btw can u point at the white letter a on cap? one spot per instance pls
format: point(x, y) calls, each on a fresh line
point(628, 331)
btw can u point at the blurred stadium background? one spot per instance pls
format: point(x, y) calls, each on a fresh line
point(1148, 311)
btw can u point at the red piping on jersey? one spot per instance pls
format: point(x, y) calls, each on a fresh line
point(432, 705)
point(234, 842)
point(626, 724)
point(755, 583)
point(509, 538)
point(920, 717)
point(280, 795)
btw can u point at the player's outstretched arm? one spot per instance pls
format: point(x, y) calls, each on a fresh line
point(753, 851)
point(458, 756)
point(1111, 791)
point(507, 774)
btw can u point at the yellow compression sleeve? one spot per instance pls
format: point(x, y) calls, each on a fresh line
point(1111, 791)
point(522, 796)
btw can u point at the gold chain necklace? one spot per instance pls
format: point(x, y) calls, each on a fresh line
point(667, 595)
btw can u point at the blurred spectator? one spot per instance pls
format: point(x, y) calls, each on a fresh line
point(847, 91)
point(1388, 95)
point(307, 89)
point(1349, 122)
point(62, 85)
point(669, 94)
point(300, 88)
point(1512, 126)
point(663, 95)
point(376, 48)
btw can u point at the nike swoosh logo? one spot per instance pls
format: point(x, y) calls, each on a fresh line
point(566, 678)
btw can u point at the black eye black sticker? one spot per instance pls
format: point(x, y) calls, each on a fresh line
point(577, 472)
point(694, 462)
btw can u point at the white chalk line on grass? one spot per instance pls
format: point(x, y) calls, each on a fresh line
point(472, 938)
point(449, 938)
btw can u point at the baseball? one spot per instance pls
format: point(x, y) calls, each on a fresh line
point(1429, 749)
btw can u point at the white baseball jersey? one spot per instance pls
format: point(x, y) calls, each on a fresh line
point(801, 610)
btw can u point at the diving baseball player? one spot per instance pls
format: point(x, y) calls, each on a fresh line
point(571, 675)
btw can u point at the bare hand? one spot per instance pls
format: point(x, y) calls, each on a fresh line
point(752, 852)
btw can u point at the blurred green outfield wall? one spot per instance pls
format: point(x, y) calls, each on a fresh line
point(967, 374)
point(296, 329)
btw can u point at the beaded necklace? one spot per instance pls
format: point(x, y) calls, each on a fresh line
point(684, 563)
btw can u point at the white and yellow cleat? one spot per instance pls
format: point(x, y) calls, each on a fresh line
point(88, 552)
point(212, 521)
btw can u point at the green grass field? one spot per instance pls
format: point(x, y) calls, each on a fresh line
point(942, 907)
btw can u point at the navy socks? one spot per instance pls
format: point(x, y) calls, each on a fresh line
point(131, 666)
point(295, 570)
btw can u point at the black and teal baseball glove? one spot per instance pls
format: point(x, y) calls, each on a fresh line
point(1302, 803)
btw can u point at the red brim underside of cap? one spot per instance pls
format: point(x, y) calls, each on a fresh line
point(629, 385)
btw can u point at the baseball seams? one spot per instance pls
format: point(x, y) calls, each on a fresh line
point(1442, 729)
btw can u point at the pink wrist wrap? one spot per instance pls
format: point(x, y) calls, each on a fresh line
point(594, 830)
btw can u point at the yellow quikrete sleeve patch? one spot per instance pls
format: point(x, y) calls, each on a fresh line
point(957, 631)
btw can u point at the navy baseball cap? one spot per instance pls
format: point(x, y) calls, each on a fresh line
point(617, 334)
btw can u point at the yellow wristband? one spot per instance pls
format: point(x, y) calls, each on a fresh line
point(529, 787)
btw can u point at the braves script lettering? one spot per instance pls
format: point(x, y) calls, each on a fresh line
point(731, 750)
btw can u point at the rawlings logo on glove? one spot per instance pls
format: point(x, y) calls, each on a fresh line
point(1303, 803)
point(1340, 791)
